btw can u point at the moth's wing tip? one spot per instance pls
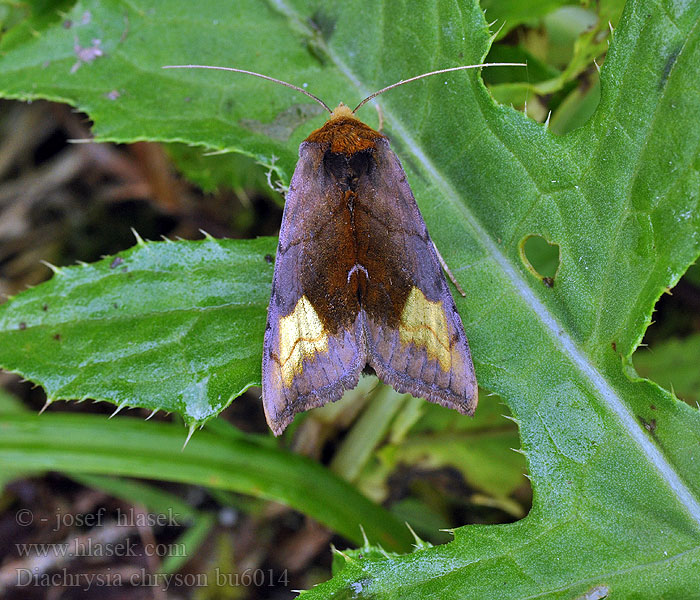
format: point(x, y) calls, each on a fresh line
point(277, 421)
point(469, 407)
point(278, 427)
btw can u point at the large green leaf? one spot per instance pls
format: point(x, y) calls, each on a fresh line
point(167, 326)
point(615, 505)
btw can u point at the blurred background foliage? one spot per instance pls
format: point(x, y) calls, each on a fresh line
point(63, 201)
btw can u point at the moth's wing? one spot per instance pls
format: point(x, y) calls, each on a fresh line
point(314, 345)
point(415, 338)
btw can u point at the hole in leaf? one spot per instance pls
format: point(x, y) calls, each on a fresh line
point(540, 257)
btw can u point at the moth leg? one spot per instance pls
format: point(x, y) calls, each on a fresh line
point(447, 270)
point(380, 114)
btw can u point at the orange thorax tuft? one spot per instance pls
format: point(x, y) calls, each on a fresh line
point(344, 133)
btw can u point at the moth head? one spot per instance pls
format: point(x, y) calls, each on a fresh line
point(342, 112)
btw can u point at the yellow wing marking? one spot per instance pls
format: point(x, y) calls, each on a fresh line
point(301, 336)
point(424, 324)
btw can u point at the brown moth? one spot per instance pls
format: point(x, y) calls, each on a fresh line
point(358, 284)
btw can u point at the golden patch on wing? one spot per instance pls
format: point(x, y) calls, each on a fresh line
point(424, 324)
point(301, 336)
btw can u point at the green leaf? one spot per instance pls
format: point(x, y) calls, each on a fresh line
point(210, 172)
point(511, 13)
point(163, 326)
point(427, 437)
point(85, 444)
point(481, 450)
point(576, 108)
point(9, 404)
point(616, 507)
point(673, 364)
point(370, 429)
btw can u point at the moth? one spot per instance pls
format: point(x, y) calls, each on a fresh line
point(358, 283)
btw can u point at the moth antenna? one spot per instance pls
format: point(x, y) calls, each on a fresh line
point(462, 68)
point(284, 83)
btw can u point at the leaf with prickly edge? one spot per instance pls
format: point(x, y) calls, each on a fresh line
point(673, 364)
point(164, 326)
